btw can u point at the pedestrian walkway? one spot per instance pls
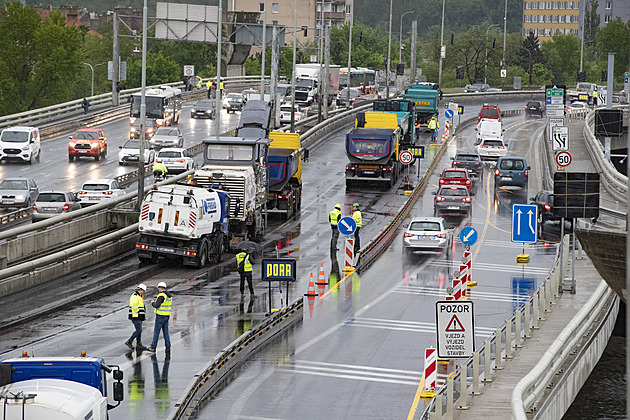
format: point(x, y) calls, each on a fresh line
point(495, 399)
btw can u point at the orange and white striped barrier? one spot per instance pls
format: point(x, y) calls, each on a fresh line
point(463, 277)
point(430, 373)
point(457, 288)
point(321, 280)
point(349, 256)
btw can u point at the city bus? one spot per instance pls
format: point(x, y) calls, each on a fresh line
point(163, 108)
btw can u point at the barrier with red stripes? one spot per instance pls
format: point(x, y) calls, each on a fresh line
point(430, 373)
point(349, 255)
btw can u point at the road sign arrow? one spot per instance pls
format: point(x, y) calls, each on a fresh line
point(531, 213)
point(518, 222)
point(467, 237)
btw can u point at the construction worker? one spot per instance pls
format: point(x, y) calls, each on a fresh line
point(209, 87)
point(245, 268)
point(137, 315)
point(434, 125)
point(221, 90)
point(198, 82)
point(162, 310)
point(333, 218)
point(595, 98)
point(356, 215)
point(159, 170)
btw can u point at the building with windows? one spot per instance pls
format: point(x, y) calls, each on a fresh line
point(545, 18)
point(612, 9)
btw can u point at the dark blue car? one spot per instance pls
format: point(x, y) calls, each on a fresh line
point(511, 171)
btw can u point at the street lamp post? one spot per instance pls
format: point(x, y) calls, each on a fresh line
point(92, 68)
point(504, 38)
point(441, 45)
point(349, 74)
point(400, 38)
point(485, 69)
point(389, 49)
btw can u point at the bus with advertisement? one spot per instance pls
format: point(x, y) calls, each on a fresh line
point(163, 108)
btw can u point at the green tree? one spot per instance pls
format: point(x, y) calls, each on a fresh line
point(39, 60)
point(530, 54)
point(160, 69)
point(562, 56)
point(591, 22)
point(614, 38)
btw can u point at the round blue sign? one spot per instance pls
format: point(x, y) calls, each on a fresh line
point(448, 113)
point(468, 235)
point(347, 225)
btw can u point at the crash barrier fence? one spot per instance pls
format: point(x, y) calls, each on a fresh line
point(40, 228)
point(54, 113)
point(488, 358)
point(614, 182)
point(210, 379)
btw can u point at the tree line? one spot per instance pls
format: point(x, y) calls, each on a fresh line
point(42, 62)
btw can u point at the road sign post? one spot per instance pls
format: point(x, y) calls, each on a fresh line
point(524, 223)
point(455, 328)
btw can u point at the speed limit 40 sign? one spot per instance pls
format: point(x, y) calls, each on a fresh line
point(563, 159)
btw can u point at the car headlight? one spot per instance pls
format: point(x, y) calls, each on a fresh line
point(194, 110)
point(209, 111)
point(149, 130)
point(132, 120)
point(71, 144)
point(19, 197)
point(25, 148)
point(132, 129)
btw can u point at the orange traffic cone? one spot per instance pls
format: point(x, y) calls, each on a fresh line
point(310, 295)
point(321, 280)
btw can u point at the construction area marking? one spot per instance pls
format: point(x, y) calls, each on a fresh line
point(331, 288)
point(454, 325)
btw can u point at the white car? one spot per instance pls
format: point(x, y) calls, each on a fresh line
point(229, 96)
point(285, 114)
point(176, 160)
point(167, 137)
point(577, 106)
point(94, 191)
point(427, 234)
point(130, 151)
point(491, 149)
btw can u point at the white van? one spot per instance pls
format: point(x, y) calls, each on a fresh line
point(21, 144)
point(489, 142)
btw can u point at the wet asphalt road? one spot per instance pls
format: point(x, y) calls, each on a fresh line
point(365, 336)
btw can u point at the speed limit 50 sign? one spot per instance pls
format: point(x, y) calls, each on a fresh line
point(563, 159)
point(405, 157)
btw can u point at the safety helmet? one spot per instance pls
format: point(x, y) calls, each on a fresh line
point(338, 206)
point(162, 284)
point(142, 286)
point(355, 205)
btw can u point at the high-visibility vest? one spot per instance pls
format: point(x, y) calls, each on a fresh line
point(247, 266)
point(594, 94)
point(160, 166)
point(333, 217)
point(221, 86)
point(357, 218)
point(432, 124)
point(165, 307)
point(136, 307)
point(208, 84)
point(199, 82)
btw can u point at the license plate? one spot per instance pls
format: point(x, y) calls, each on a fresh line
point(171, 250)
point(8, 202)
point(454, 182)
point(492, 153)
point(453, 207)
point(368, 172)
point(49, 209)
point(82, 151)
point(93, 198)
point(506, 178)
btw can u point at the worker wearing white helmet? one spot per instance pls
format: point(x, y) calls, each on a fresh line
point(162, 305)
point(137, 315)
point(333, 218)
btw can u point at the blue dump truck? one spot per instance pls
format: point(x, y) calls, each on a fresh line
point(56, 388)
point(405, 111)
point(372, 149)
point(426, 97)
point(284, 165)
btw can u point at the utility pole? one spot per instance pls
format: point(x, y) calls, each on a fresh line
point(504, 38)
point(349, 55)
point(293, 71)
point(274, 77)
point(264, 48)
point(442, 47)
point(325, 76)
point(485, 71)
point(582, 11)
point(413, 64)
point(115, 62)
point(389, 50)
point(400, 38)
point(143, 106)
point(218, 107)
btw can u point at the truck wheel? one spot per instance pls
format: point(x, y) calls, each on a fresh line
point(219, 250)
point(202, 256)
point(149, 260)
point(97, 158)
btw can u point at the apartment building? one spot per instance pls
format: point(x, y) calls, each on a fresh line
point(612, 9)
point(545, 18)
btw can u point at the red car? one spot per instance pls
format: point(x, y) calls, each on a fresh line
point(88, 142)
point(491, 112)
point(456, 176)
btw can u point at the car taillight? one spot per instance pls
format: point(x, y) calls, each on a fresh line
point(64, 208)
point(466, 199)
point(468, 181)
point(142, 246)
point(180, 161)
point(496, 172)
point(350, 168)
point(439, 198)
point(477, 163)
point(482, 146)
point(81, 192)
point(547, 207)
point(442, 181)
point(407, 234)
point(455, 162)
point(190, 253)
point(526, 173)
point(387, 169)
point(108, 192)
point(34, 207)
point(442, 235)
point(501, 147)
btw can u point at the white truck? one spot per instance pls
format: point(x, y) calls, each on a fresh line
point(583, 92)
point(239, 166)
point(306, 86)
point(183, 221)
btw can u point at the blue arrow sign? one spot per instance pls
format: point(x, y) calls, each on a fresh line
point(524, 223)
point(548, 98)
point(468, 235)
point(448, 113)
point(347, 225)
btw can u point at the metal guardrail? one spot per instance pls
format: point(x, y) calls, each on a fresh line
point(616, 184)
point(100, 102)
point(206, 383)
